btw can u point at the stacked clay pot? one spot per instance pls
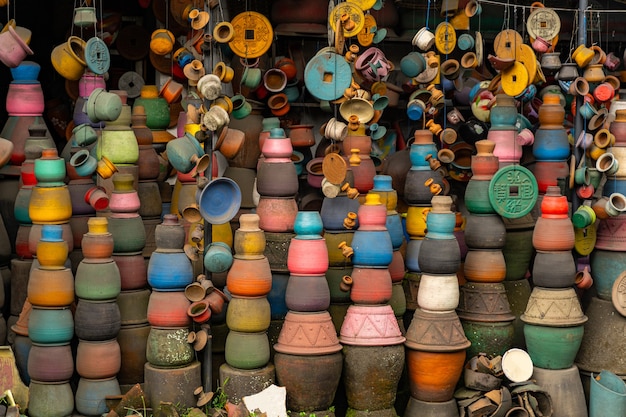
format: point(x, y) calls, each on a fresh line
point(157, 112)
point(248, 317)
point(169, 353)
point(98, 320)
point(435, 358)
point(389, 198)
point(277, 208)
point(551, 148)
point(310, 367)
point(340, 220)
point(357, 146)
point(503, 132)
point(418, 195)
point(86, 85)
point(50, 321)
point(553, 339)
point(485, 268)
point(25, 106)
point(371, 349)
point(148, 171)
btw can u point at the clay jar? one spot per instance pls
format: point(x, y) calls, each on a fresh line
point(277, 214)
point(551, 112)
point(249, 277)
point(307, 293)
point(276, 179)
point(52, 250)
point(370, 285)
point(307, 256)
point(277, 145)
point(249, 239)
point(98, 359)
point(372, 214)
point(168, 309)
point(554, 230)
point(484, 163)
point(170, 234)
point(504, 113)
point(50, 169)
point(124, 198)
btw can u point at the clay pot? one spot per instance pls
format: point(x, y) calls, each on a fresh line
point(323, 338)
point(25, 99)
point(267, 175)
point(484, 302)
point(53, 399)
point(433, 375)
point(249, 277)
point(246, 350)
point(307, 256)
point(169, 270)
point(439, 256)
point(50, 325)
point(50, 363)
point(168, 347)
point(438, 293)
point(484, 265)
point(98, 359)
point(551, 112)
point(543, 343)
point(51, 288)
point(554, 269)
point(356, 329)
point(541, 308)
point(91, 394)
point(97, 320)
point(248, 314)
point(370, 285)
point(98, 280)
point(133, 270)
point(277, 214)
point(168, 309)
point(307, 293)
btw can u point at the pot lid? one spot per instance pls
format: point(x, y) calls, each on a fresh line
point(359, 106)
point(253, 35)
point(517, 365)
point(133, 42)
point(478, 44)
point(334, 168)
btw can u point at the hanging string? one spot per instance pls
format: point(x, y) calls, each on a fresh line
point(572, 42)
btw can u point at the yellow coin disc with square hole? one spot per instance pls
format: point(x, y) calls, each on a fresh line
point(364, 4)
point(253, 35)
point(514, 79)
point(445, 38)
point(506, 43)
point(526, 56)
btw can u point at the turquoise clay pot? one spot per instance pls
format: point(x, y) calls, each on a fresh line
point(477, 197)
point(553, 347)
point(606, 267)
point(91, 393)
point(607, 395)
point(50, 325)
point(50, 169)
point(308, 223)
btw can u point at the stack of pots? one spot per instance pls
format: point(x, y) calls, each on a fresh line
point(51, 327)
point(607, 268)
point(25, 106)
point(340, 220)
point(389, 198)
point(171, 372)
point(551, 148)
point(247, 351)
point(553, 319)
point(357, 143)
point(98, 320)
point(277, 210)
point(484, 307)
point(418, 195)
point(157, 112)
point(148, 171)
point(370, 333)
point(308, 367)
point(503, 131)
point(435, 342)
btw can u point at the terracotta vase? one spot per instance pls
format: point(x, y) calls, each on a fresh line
point(318, 325)
point(133, 270)
point(98, 359)
point(277, 214)
point(307, 256)
point(168, 309)
point(249, 277)
point(358, 328)
point(484, 265)
point(551, 112)
point(370, 285)
point(433, 375)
